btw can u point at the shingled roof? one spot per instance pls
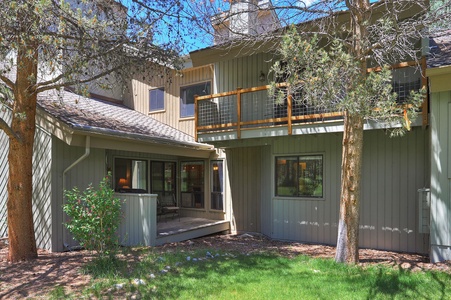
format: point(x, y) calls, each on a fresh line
point(440, 50)
point(100, 116)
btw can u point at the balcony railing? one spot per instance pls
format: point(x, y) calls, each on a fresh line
point(253, 108)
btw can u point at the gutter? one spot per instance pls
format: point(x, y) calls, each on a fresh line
point(142, 137)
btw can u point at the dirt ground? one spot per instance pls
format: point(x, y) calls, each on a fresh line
point(37, 278)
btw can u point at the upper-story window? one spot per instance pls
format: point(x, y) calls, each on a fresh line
point(156, 99)
point(187, 94)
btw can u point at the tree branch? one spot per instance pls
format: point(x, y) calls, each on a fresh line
point(8, 130)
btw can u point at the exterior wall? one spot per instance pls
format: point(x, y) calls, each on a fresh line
point(245, 169)
point(243, 72)
point(172, 82)
point(4, 149)
point(42, 189)
point(90, 170)
point(440, 176)
point(394, 169)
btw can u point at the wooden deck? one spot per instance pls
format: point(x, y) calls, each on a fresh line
point(170, 230)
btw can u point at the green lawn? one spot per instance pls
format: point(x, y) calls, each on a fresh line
point(263, 276)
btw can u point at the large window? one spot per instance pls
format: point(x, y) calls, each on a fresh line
point(163, 178)
point(192, 189)
point(130, 175)
point(217, 185)
point(299, 176)
point(156, 99)
point(187, 94)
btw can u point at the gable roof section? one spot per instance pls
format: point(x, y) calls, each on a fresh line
point(102, 117)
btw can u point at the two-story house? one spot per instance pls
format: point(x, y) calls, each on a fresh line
point(239, 160)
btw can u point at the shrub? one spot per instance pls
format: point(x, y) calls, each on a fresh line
point(94, 217)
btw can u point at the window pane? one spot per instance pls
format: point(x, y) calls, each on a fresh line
point(156, 99)
point(311, 176)
point(192, 176)
point(157, 177)
point(217, 185)
point(163, 178)
point(299, 176)
point(130, 175)
point(187, 97)
point(286, 176)
point(169, 177)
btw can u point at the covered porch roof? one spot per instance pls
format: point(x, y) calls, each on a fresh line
point(72, 117)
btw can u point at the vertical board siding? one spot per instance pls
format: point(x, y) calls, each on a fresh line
point(172, 82)
point(42, 189)
point(244, 165)
point(440, 176)
point(266, 183)
point(4, 150)
point(139, 222)
point(90, 170)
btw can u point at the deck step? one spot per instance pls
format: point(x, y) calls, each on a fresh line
point(172, 235)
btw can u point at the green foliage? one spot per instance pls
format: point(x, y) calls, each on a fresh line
point(94, 217)
point(264, 275)
point(329, 79)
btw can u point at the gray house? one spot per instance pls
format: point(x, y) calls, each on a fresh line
point(272, 169)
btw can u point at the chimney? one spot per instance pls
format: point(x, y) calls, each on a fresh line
point(245, 17)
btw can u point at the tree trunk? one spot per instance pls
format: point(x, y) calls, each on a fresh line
point(348, 226)
point(351, 163)
point(22, 242)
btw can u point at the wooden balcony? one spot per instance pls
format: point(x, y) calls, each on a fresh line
point(251, 112)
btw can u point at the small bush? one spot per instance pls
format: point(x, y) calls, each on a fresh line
point(94, 217)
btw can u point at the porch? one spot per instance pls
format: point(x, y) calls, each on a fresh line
point(141, 226)
point(251, 112)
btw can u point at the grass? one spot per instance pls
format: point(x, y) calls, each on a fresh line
point(262, 276)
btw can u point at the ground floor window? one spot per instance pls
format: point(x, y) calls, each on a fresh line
point(192, 184)
point(130, 175)
point(217, 185)
point(299, 176)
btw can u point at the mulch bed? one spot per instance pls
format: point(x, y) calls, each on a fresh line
point(38, 277)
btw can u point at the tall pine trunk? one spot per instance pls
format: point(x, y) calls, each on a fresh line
point(348, 226)
point(351, 164)
point(22, 241)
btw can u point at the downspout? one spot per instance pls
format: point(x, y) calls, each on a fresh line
point(86, 154)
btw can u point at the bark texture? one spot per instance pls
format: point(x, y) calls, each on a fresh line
point(348, 226)
point(22, 241)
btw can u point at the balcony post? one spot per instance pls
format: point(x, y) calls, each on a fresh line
point(289, 112)
point(196, 117)
point(238, 103)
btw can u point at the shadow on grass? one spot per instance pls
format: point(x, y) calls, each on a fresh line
point(172, 276)
point(392, 283)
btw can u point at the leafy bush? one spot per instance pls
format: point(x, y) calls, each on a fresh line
point(94, 217)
